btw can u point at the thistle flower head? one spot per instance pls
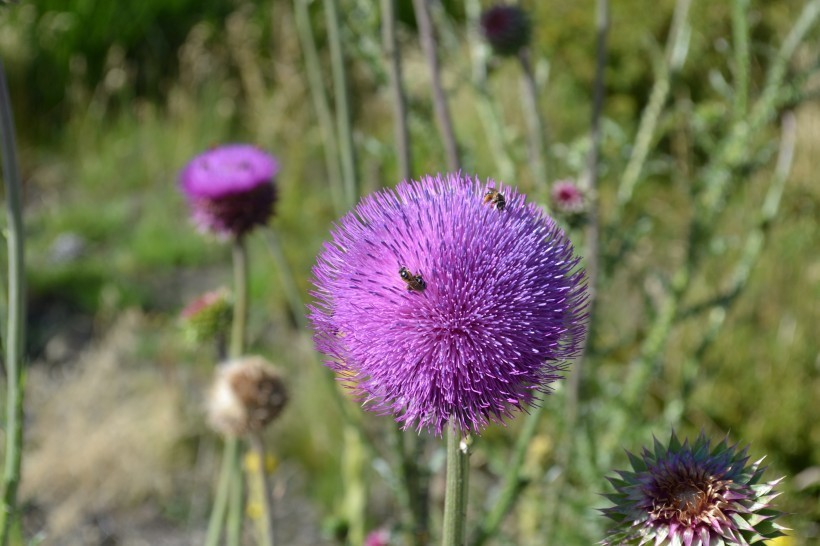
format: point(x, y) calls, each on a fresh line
point(506, 28)
point(230, 189)
point(378, 537)
point(692, 495)
point(437, 304)
point(247, 394)
point(567, 197)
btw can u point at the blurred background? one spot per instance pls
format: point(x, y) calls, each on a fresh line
point(111, 99)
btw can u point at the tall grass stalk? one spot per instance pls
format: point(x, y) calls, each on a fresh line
point(445, 122)
point(321, 104)
point(740, 43)
point(347, 150)
point(16, 319)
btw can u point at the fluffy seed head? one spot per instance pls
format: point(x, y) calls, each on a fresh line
point(247, 394)
point(692, 495)
point(438, 307)
point(230, 189)
point(506, 28)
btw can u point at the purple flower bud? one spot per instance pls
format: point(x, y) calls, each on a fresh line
point(437, 305)
point(506, 28)
point(230, 189)
point(567, 197)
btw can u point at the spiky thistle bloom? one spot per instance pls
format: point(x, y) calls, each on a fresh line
point(247, 394)
point(378, 537)
point(692, 495)
point(506, 28)
point(441, 301)
point(230, 189)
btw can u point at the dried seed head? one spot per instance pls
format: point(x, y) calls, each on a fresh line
point(247, 394)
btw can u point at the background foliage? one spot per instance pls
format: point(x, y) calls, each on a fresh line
point(112, 99)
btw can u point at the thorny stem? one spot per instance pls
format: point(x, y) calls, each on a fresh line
point(343, 125)
point(220, 506)
point(240, 295)
point(672, 62)
point(16, 321)
point(393, 55)
point(455, 494)
point(321, 104)
point(445, 124)
point(535, 122)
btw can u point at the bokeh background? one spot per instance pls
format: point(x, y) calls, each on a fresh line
point(112, 98)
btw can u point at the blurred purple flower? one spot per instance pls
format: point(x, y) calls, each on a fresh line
point(506, 28)
point(379, 537)
point(492, 303)
point(567, 197)
point(692, 496)
point(230, 189)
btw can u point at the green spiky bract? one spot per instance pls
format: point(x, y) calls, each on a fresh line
point(692, 495)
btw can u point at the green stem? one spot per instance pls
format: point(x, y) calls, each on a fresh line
point(740, 38)
point(265, 525)
point(321, 104)
point(514, 482)
point(651, 115)
point(220, 507)
point(393, 55)
point(16, 325)
point(297, 306)
point(229, 488)
point(455, 493)
point(445, 122)
point(343, 126)
point(535, 122)
point(240, 297)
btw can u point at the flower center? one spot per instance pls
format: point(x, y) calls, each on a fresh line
point(690, 500)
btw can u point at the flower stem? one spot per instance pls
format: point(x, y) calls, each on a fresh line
point(343, 126)
point(393, 55)
point(455, 495)
point(445, 123)
point(321, 104)
point(535, 122)
point(240, 295)
point(229, 487)
point(263, 490)
point(221, 501)
point(16, 324)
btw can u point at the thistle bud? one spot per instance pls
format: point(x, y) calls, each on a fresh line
point(208, 316)
point(506, 28)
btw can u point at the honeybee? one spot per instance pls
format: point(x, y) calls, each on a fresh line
point(414, 282)
point(495, 199)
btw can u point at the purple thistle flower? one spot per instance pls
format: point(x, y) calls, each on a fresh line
point(567, 197)
point(436, 305)
point(378, 537)
point(506, 28)
point(230, 189)
point(692, 496)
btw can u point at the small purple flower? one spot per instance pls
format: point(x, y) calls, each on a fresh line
point(437, 305)
point(230, 189)
point(692, 496)
point(506, 28)
point(567, 197)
